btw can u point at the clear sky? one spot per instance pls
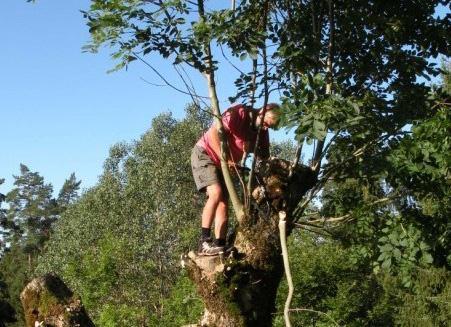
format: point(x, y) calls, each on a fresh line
point(59, 109)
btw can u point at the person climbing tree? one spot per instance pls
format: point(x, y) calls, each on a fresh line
point(241, 126)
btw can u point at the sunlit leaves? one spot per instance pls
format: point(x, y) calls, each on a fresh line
point(129, 230)
point(313, 113)
point(402, 249)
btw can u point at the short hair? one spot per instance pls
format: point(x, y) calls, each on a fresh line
point(273, 109)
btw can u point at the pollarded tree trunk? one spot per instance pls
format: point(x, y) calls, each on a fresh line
point(239, 288)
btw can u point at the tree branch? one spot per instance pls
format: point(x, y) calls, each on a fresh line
point(209, 75)
point(316, 162)
point(340, 219)
point(265, 102)
point(191, 90)
point(163, 78)
point(286, 265)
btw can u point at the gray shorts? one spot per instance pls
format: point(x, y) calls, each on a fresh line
point(205, 172)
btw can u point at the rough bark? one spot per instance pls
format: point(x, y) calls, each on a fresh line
point(239, 288)
point(47, 301)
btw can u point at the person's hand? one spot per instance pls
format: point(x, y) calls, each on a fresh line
point(231, 164)
point(236, 167)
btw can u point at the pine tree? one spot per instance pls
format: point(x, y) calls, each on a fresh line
point(26, 225)
point(3, 221)
point(69, 192)
point(31, 210)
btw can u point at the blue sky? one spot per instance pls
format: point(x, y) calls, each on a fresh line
point(59, 109)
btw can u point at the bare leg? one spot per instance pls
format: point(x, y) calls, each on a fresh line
point(221, 217)
point(215, 196)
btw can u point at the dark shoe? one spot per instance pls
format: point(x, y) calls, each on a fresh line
point(209, 248)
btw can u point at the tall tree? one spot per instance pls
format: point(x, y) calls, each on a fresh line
point(347, 70)
point(119, 246)
point(69, 192)
point(28, 221)
point(31, 210)
point(3, 220)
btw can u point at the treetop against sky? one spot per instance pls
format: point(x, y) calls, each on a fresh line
point(60, 111)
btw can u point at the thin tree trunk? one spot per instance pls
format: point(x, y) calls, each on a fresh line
point(265, 102)
point(209, 74)
point(316, 162)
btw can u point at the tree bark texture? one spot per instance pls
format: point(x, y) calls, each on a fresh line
point(240, 287)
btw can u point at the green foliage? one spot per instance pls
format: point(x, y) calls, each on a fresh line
point(118, 246)
point(422, 162)
point(4, 224)
point(69, 192)
point(369, 57)
point(330, 289)
point(398, 198)
point(314, 113)
point(7, 312)
point(183, 306)
point(347, 68)
point(121, 315)
point(429, 302)
point(98, 270)
point(15, 270)
point(26, 226)
point(31, 210)
point(402, 250)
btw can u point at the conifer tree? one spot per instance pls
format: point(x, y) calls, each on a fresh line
point(26, 226)
point(69, 192)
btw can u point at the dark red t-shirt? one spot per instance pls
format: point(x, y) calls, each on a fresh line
point(241, 135)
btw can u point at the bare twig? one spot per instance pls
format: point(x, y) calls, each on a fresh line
point(312, 193)
point(330, 219)
point(286, 265)
point(313, 229)
point(230, 62)
point(340, 219)
point(324, 152)
point(163, 78)
point(190, 89)
point(297, 156)
point(360, 151)
point(254, 81)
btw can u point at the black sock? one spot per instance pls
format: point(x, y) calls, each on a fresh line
point(220, 242)
point(205, 233)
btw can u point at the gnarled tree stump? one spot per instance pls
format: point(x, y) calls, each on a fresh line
point(47, 301)
point(239, 288)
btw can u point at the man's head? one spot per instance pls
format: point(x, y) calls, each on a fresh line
point(272, 115)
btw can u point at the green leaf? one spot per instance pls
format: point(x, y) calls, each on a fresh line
point(386, 264)
point(427, 258)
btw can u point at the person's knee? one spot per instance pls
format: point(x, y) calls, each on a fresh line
point(215, 193)
point(222, 205)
